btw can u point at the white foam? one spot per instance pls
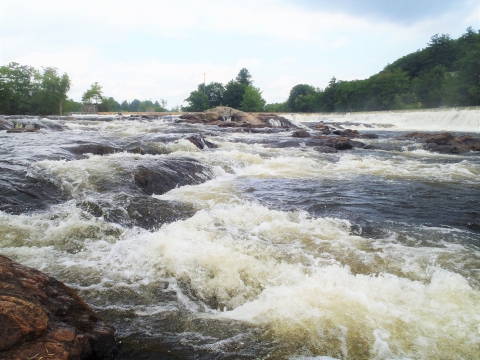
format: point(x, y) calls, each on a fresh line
point(434, 120)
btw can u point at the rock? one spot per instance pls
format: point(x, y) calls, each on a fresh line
point(20, 193)
point(151, 213)
point(200, 142)
point(325, 149)
point(5, 124)
point(21, 130)
point(301, 134)
point(357, 144)
point(163, 176)
point(224, 116)
point(446, 143)
point(369, 136)
point(321, 127)
point(42, 317)
point(95, 149)
point(339, 143)
point(352, 134)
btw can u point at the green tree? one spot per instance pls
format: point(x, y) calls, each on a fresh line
point(93, 95)
point(214, 91)
point(53, 91)
point(428, 86)
point(233, 95)
point(134, 105)
point(125, 106)
point(252, 100)
point(300, 99)
point(19, 85)
point(198, 101)
point(244, 77)
point(109, 105)
point(276, 107)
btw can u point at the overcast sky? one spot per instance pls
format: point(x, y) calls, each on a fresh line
point(153, 49)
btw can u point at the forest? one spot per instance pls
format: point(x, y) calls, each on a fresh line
point(444, 73)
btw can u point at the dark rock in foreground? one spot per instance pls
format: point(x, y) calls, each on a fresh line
point(40, 317)
point(446, 143)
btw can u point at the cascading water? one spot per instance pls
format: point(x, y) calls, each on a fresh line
point(257, 251)
point(427, 120)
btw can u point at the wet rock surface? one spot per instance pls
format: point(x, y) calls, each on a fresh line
point(446, 143)
point(162, 176)
point(41, 317)
point(200, 142)
point(20, 193)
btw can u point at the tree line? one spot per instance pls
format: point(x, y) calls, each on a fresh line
point(445, 73)
point(27, 91)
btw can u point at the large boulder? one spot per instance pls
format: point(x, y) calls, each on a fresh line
point(163, 176)
point(41, 317)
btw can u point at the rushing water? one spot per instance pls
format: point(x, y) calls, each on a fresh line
point(282, 253)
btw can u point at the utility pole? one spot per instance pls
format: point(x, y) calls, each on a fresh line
point(204, 82)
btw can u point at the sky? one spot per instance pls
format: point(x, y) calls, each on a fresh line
point(156, 49)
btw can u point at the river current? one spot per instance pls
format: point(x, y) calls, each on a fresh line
point(281, 253)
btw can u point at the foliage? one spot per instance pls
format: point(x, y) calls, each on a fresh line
point(244, 77)
point(198, 101)
point(24, 90)
point(233, 95)
point(93, 95)
point(445, 73)
point(252, 100)
point(276, 107)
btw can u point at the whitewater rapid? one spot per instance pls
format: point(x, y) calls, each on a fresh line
point(288, 254)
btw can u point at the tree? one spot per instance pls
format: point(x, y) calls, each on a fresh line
point(233, 95)
point(93, 95)
point(276, 107)
point(19, 85)
point(252, 100)
point(428, 86)
point(214, 91)
point(134, 105)
point(125, 106)
point(109, 104)
point(198, 101)
point(53, 91)
point(301, 98)
point(244, 77)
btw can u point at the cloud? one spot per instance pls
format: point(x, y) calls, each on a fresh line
point(160, 49)
point(405, 12)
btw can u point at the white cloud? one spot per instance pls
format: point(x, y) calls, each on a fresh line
point(132, 48)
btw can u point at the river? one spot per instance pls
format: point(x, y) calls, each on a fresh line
point(281, 253)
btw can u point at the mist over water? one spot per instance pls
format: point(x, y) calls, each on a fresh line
point(282, 253)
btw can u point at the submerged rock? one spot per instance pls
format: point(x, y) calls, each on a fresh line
point(41, 317)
